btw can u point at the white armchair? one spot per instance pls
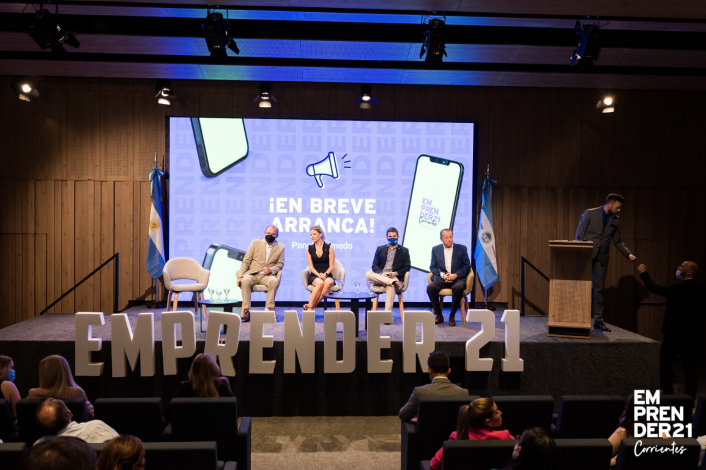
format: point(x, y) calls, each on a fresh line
point(184, 268)
point(338, 274)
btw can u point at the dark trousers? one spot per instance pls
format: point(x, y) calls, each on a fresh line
point(457, 288)
point(599, 274)
point(671, 348)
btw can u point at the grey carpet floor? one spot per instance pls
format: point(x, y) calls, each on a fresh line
point(342, 443)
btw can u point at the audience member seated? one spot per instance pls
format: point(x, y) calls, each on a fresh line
point(626, 428)
point(122, 453)
point(8, 388)
point(61, 453)
point(205, 380)
point(475, 422)
point(54, 419)
point(56, 381)
point(439, 369)
point(535, 450)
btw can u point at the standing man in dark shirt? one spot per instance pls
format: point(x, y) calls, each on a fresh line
point(681, 328)
point(601, 225)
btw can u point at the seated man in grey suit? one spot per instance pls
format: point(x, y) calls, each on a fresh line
point(263, 260)
point(439, 370)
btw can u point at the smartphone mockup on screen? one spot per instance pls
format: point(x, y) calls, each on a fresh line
point(224, 263)
point(432, 206)
point(220, 143)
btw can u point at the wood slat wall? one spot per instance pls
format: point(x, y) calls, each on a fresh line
point(75, 162)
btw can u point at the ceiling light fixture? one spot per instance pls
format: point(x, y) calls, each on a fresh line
point(434, 45)
point(165, 94)
point(606, 104)
point(265, 98)
point(366, 98)
point(24, 88)
point(589, 46)
point(48, 33)
point(218, 35)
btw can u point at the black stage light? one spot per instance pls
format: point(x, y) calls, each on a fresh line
point(218, 36)
point(49, 34)
point(24, 88)
point(366, 98)
point(165, 94)
point(265, 96)
point(434, 45)
point(606, 104)
point(589, 46)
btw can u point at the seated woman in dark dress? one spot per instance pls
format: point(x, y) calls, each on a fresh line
point(205, 380)
point(321, 258)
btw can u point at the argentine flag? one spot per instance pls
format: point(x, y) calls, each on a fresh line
point(486, 262)
point(155, 242)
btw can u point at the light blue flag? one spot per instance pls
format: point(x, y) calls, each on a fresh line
point(155, 242)
point(486, 261)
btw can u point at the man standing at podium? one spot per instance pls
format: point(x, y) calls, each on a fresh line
point(601, 225)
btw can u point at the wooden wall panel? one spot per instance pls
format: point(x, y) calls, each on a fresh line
point(85, 245)
point(124, 219)
point(83, 134)
point(57, 275)
point(44, 224)
point(68, 247)
point(49, 136)
point(107, 238)
point(117, 145)
point(216, 99)
point(149, 135)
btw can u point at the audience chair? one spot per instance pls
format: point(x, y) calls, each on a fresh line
point(680, 401)
point(339, 276)
point(583, 454)
point(699, 420)
point(588, 416)
point(437, 417)
point(476, 455)
point(184, 268)
point(11, 454)
point(177, 455)
point(6, 424)
point(522, 412)
point(381, 290)
point(688, 460)
point(464, 300)
point(26, 422)
point(213, 419)
point(141, 417)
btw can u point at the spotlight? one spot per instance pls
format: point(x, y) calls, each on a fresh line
point(607, 104)
point(265, 97)
point(24, 88)
point(434, 45)
point(165, 94)
point(49, 34)
point(218, 35)
point(366, 98)
point(588, 48)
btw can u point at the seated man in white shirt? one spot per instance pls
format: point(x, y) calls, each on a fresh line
point(54, 419)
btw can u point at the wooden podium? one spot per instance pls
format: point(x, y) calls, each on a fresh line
point(570, 289)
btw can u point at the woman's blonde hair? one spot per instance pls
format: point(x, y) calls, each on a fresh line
point(55, 376)
point(473, 416)
point(317, 228)
point(124, 452)
point(203, 374)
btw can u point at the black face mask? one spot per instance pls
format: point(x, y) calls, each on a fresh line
point(269, 238)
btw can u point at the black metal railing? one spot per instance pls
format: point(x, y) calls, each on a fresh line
point(524, 261)
point(116, 256)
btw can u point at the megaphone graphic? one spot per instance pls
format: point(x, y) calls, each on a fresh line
point(326, 167)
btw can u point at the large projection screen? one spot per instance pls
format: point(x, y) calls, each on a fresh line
point(230, 178)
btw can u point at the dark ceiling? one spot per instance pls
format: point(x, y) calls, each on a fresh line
point(648, 45)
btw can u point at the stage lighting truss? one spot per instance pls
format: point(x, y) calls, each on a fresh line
point(606, 104)
point(165, 94)
point(218, 35)
point(589, 45)
point(434, 46)
point(265, 97)
point(24, 88)
point(366, 98)
point(48, 33)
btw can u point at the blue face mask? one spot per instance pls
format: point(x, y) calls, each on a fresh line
point(11, 375)
point(392, 241)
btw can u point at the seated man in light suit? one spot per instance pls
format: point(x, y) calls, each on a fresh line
point(439, 370)
point(450, 266)
point(263, 260)
point(390, 265)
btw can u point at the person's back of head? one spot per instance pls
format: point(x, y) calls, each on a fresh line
point(124, 452)
point(438, 363)
point(474, 416)
point(60, 453)
point(203, 374)
point(55, 376)
point(52, 416)
point(536, 450)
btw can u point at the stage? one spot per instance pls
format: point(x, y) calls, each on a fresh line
point(613, 363)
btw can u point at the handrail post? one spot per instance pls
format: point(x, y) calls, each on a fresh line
point(522, 286)
point(116, 284)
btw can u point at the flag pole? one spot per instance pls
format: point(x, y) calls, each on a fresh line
point(485, 291)
point(155, 282)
